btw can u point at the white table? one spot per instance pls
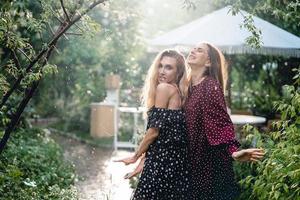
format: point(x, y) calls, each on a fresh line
point(128, 144)
point(247, 119)
point(240, 120)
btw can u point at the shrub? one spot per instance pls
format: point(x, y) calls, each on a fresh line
point(32, 167)
point(278, 175)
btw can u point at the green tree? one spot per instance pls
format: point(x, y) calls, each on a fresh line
point(278, 175)
point(27, 63)
point(84, 62)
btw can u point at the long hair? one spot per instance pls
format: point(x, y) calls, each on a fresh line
point(151, 81)
point(219, 67)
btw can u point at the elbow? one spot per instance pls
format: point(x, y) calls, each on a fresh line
point(153, 134)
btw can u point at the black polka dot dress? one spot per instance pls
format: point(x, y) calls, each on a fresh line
point(211, 141)
point(165, 174)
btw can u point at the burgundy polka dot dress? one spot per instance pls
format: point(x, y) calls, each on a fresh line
point(212, 141)
point(165, 174)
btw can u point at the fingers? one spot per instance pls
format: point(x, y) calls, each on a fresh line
point(253, 160)
point(131, 174)
point(123, 161)
point(258, 154)
point(136, 171)
point(127, 161)
point(257, 157)
point(257, 150)
point(128, 176)
point(118, 160)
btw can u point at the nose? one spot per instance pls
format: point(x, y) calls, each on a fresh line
point(193, 50)
point(161, 70)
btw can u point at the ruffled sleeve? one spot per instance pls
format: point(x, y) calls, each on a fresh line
point(218, 126)
point(157, 118)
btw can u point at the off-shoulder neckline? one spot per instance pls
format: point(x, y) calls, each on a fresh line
point(168, 109)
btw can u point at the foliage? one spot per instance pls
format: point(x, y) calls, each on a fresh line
point(106, 142)
point(284, 14)
point(29, 33)
point(257, 81)
point(32, 167)
point(263, 92)
point(85, 61)
point(278, 175)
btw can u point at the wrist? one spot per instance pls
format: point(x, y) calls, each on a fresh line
point(234, 155)
point(135, 156)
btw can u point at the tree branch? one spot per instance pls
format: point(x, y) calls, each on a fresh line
point(64, 9)
point(67, 33)
point(79, 27)
point(25, 54)
point(56, 49)
point(17, 115)
point(78, 5)
point(51, 45)
point(51, 29)
point(54, 14)
point(16, 60)
point(91, 6)
point(61, 30)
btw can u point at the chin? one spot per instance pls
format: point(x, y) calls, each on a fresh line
point(191, 63)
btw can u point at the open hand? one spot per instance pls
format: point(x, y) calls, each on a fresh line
point(252, 154)
point(137, 170)
point(127, 161)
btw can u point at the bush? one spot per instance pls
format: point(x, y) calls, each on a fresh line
point(32, 167)
point(278, 175)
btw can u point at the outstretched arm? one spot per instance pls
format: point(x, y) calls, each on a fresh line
point(248, 155)
point(138, 169)
point(163, 94)
point(148, 139)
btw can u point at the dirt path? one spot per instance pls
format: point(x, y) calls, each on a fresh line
point(99, 177)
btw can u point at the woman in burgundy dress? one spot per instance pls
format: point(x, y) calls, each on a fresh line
point(211, 134)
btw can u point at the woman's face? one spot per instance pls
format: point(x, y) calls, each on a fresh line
point(198, 56)
point(167, 70)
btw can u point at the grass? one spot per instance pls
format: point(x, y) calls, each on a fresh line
point(87, 138)
point(58, 128)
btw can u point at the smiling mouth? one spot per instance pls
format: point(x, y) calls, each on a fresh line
point(161, 78)
point(192, 57)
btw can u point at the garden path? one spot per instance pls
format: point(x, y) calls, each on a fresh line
point(99, 177)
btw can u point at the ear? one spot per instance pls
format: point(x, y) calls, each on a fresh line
point(207, 62)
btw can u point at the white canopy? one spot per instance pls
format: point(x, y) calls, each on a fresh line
point(223, 29)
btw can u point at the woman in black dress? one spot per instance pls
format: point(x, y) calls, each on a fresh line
point(166, 173)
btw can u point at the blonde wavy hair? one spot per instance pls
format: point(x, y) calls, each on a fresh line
point(151, 81)
point(218, 69)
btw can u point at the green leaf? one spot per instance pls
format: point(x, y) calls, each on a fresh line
point(29, 183)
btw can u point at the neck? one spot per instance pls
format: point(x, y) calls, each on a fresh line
point(197, 75)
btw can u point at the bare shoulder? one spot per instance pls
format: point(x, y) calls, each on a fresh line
point(164, 91)
point(166, 88)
